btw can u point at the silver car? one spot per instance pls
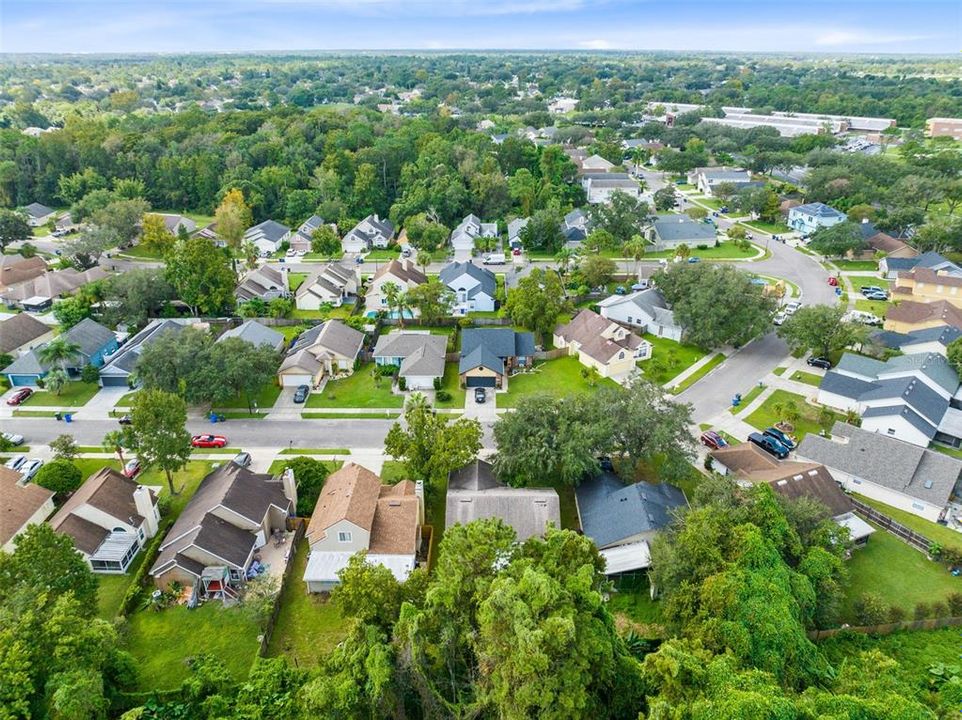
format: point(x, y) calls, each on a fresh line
point(15, 462)
point(12, 439)
point(30, 468)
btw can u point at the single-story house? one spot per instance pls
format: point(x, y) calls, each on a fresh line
point(596, 163)
point(371, 232)
point(464, 235)
point(356, 512)
point(475, 493)
point(645, 310)
point(474, 287)
point(882, 242)
point(96, 343)
point(599, 187)
point(233, 513)
point(174, 223)
point(264, 283)
point(403, 273)
point(21, 504)
point(897, 473)
point(707, 179)
point(256, 334)
point(328, 349)
point(908, 316)
point(39, 215)
point(43, 289)
point(891, 266)
point(808, 218)
point(419, 356)
point(21, 333)
point(110, 518)
point(602, 344)
point(927, 340)
point(267, 237)
point(16, 269)
point(668, 231)
point(490, 355)
point(119, 368)
point(332, 285)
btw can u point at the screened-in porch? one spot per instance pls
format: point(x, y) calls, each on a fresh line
point(115, 553)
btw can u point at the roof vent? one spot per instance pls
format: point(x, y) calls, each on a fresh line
point(394, 503)
point(782, 482)
point(797, 477)
point(928, 484)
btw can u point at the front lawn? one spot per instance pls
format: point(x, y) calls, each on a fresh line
point(264, 399)
point(383, 254)
point(807, 378)
point(127, 400)
point(668, 359)
point(778, 404)
point(747, 398)
point(308, 625)
point(855, 265)
point(558, 378)
point(142, 252)
point(766, 227)
point(723, 251)
point(876, 307)
point(451, 382)
point(73, 394)
point(360, 390)
point(701, 372)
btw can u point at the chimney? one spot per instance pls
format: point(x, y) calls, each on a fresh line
point(290, 487)
point(419, 493)
point(147, 509)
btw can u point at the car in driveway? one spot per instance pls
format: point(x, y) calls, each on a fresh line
point(15, 462)
point(819, 362)
point(243, 459)
point(132, 468)
point(300, 395)
point(869, 289)
point(712, 439)
point(480, 395)
point(792, 307)
point(694, 259)
point(877, 296)
point(780, 318)
point(18, 397)
point(774, 432)
point(208, 441)
point(769, 445)
point(12, 438)
point(30, 468)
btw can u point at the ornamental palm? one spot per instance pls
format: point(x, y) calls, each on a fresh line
point(59, 352)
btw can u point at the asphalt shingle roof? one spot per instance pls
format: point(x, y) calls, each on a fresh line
point(819, 210)
point(681, 228)
point(489, 347)
point(254, 333)
point(488, 283)
point(844, 385)
point(611, 511)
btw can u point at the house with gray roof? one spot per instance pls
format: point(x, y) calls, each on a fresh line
point(464, 235)
point(668, 231)
point(267, 237)
point(808, 218)
point(884, 468)
point(372, 232)
point(419, 355)
point(118, 371)
point(475, 493)
point(256, 334)
point(474, 287)
point(326, 350)
point(707, 179)
point(267, 282)
point(22, 332)
point(301, 240)
point(927, 340)
point(514, 231)
point(95, 344)
point(599, 187)
point(334, 284)
point(890, 267)
point(645, 310)
point(39, 215)
point(174, 223)
point(490, 355)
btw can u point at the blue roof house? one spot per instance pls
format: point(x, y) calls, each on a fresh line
point(808, 218)
point(490, 355)
point(96, 343)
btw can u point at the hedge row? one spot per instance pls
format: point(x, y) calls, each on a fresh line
point(136, 587)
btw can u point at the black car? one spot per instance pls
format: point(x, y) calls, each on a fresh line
point(479, 395)
point(300, 395)
point(819, 362)
point(769, 445)
point(781, 437)
point(124, 420)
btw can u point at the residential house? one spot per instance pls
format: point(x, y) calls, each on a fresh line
point(886, 469)
point(890, 267)
point(669, 231)
point(232, 515)
point(575, 228)
point(471, 228)
point(923, 284)
point(256, 334)
point(39, 215)
point(174, 223)
point(474, 287)
point(944, 127)
point(40, 291)
point(645, 310)
point(325, 350)
point(475, 493)
point(806, 219)
point(928, 340)
point(16, 269)
point(267, 237)
point(907, 316)
point(881, 242)
point(562, 105)
point(301, 240)
point(707, 179)
point(95, 342)
point(109, 518)
point(599, 187)
point(266, 283)
point(602, 344)
point(334, 284)
point(419, 356)
point(403, 273)
point(623, 519)
point(371, 232)
point(21, 332)
point(355, 513)
point(490, 355)
point(22, 504)
point(596, 164)
point(514, 231)
point(118, 370)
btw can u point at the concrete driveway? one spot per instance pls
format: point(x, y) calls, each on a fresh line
point(486, 412)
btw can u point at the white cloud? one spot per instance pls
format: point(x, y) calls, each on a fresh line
point(597, 44)
point(847, 38)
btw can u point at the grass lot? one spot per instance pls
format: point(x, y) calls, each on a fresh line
point(555, 377)
point(308, 626)
point(451, 383)
point(112, 588)
point(34, 413)
point(383, 255)
point(701, 372)
point(855, 265)
point(933, 531)
point(766, 415)
point(709, 202)
point(290, 331)
point(73, 394)
point(126, 400)
point(631, 598)
point(945, 450)
point(668, 359)
point(779, 371)
point(356, 391)
point(295, 280)
point(386, 415)
point(876, 307)
point(747, 398)
point(898, 573)
point(807, 378)
point(770, 228)
point(264, 399)
point(341, 312)
point(724, 251)
point(142, 253)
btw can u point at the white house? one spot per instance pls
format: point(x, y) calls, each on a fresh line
point(464, 235)
point(645, 310)
point(596, 163)
point(514, 231)
point(331, 285)
point(267, 237)
point(402, 273)
point(806, 219)
point(371, 232)
point(561, 105)
point(707, 179)
point(474, 287)
point(599, 186)
point(38, 215)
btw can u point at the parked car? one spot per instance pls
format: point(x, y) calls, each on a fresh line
point(243, 459)
point(866, 289)
point(28, 469)
point(819, 362)
point(711, 439)
point(833, 281)
point(132, 468)
point(620, 290)
point(516, 252)
point(15, 462)
point(769, 445)
point(19, 396)
point(781, 437)
point(125, 420)
point(480, 395)
point(291, 252)
point(12, 438)
point(780, 317)
point(694, 259)
point(877, 296)
point(792, 307)
point(208, 441)
point(300, 395)
point(724, 209)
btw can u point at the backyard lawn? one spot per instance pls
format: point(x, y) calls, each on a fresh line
point(876, 307)
point(451, 383)
point(631, 598)
point(554, 377)
point(933, 531)
point(357, 391)
point(73, 394)
point(295, 280)
point(668, 359)
point(112, 588)
point(344, 311)
point(308, 626)
point(777, 405)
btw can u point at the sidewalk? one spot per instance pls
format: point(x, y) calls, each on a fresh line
point(692, 369)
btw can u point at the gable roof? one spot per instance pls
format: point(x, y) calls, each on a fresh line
point(941, 334)
point(333, 277)
point(489, 347)
point(673, 228)
point(18, 503)
point(37, 211)
point(15, 269)
point(933, 365)
point(929, 276)
point(19, 330)
point(108, 491)
point(53, 283)
point(396, 520)
point(269, 229)
point(452, 272)
point(423, 353)
point(844, 385)
point(650, 301)
point(818, 210)
point(90, 335)
point(254, 333)
point(815, 482)
point(350, 494)
point(723, 174)
point(744, 459)
point(260, 281)
point(587, 328)
point(914, 313)
point(125, 359)
point(403, 270)
point(611, 511)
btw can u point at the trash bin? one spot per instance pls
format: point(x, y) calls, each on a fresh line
point(68, 417)
point(58, 416)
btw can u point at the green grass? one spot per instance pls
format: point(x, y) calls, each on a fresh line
point(308, 626)
point(945, 450)
point(34, 413)
point(112, 588)
point(386, 415)
point(855, 265)
point(779, 371)
point(356, 391)
point(730, 439)
point(290, 331)
point(668, 359)
point(807, 378)
point(140, 252)
point(315, 451)
point(767, 227)
point(631, 598)
point(344, 311)
point(73, 394)
point(766, 415)
point(383, 254)
point(701, 372)
point(899, 574)
point(747, 398)
point(295, 280)
point(876, 307)
point(933, 531)
point(126, 400)
point(264, 399)
point(451, 383)
point(724, 251)
point(558, 378)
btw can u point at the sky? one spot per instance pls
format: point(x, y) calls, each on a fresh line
point(173, 26)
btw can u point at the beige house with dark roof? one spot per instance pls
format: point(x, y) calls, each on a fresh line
point(110, 518)
point(907, 315)
point(402, 273)
point(21, 504)
point(21, 333)
point(328, 349)
point(331, 285)
point(599, 343)
point(355, 513)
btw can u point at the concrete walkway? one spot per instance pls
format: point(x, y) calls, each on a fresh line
point(692, 369)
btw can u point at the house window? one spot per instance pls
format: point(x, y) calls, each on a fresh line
point(344, 537)
point(856, 481)
point(621, 356)
point(629, 320)
point(918, 506)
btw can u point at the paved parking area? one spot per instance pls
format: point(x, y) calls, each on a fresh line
point(486, 411)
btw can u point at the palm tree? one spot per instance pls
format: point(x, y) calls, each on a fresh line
point(250, 255)
point(635, 249)
point(397, 302)
point(59, 352)
point(114, 441)
point(564, 258)
point(416, 400)
point(423, 259)
point(682, 251)
point(55, 380)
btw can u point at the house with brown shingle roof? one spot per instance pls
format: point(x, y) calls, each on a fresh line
point(109, 518)
point(923, 284)
point(909, 315)
point(599, 343)
point(15, 269)
point(402, 273)
point(355, 513)
point(325, 350)
point(22, 332)
point(21, 504)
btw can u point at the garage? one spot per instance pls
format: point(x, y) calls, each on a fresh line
point(485, 382)
point(296, 379)
point(113, 381)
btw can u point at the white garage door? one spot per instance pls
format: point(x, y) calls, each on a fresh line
point(295, 380)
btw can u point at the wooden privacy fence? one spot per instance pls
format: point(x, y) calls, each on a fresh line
point(269, 627)
point(888, 628)
point(916, 540)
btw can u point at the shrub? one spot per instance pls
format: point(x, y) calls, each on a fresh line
point(702, 247)
point(955, 603)
point(64, 447)
point(922, 611)
point(465, 322)
point(442, 395)
point(136, 587)
point(940, 609)
point(309, 474)
point(437, 383)
point(387, 370)
point(402, 383)
point(870, 609)
point(89, 374)
point(897, 614)
point(61, 476)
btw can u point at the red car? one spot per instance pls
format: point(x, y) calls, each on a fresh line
point(516, 251)
point(19, 396)
point(833, 281)
point(208, 441)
